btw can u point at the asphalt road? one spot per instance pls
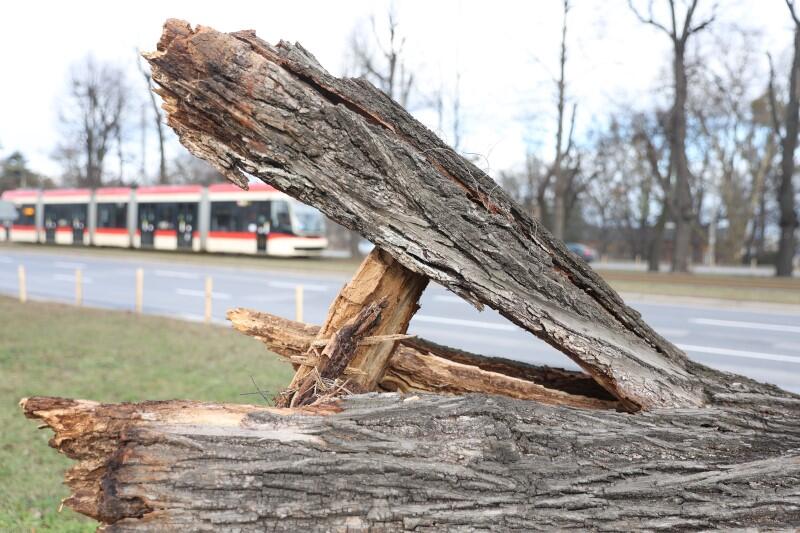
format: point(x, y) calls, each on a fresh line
point(760, 343)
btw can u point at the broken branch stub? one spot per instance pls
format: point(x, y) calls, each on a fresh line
point(418, 365)
point(379, 278)
point(340, 145)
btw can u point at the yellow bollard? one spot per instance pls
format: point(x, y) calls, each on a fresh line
point(139, 289)
point(298, 303)
point(23, 289)
point(78, 287)
point(209, 289)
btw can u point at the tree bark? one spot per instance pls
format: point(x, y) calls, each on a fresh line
point(684, 209)
point(342, 146)
point(385, 462)
point(786, 202)
point(706, 449)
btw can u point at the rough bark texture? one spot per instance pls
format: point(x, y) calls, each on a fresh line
point(344, 147)
point(418, 365)
point(384, 462)
point(379, 278)
point(709, 450)
point(784, 262)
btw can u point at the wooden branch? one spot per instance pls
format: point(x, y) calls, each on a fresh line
point(385, 462)
point(379, 278)
point(344, 147)
point(422, 366)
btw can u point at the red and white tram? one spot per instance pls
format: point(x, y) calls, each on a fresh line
point(218, 218)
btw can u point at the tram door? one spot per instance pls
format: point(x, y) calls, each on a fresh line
point(78, 224)
point(186, 221)
point(147, 225)
point(260, 211)
point(50, 224)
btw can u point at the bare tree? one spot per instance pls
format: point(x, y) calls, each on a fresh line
point(679, 33)
point(788, 134)
point(562, 175)
point(190, 169)
point(386, 68)
point(158, 120)
point(738, 137)
point(91, 117)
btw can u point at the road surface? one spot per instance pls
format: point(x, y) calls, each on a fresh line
point(759, 343)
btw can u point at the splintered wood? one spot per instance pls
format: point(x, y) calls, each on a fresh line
point(696, 449)
point(382, 281)
point(348, 364)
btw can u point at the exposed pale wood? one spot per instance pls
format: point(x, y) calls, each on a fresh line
point(418, 365)
point(378, 278)
point(383, 462)
point(336, 356)
point(340, 145)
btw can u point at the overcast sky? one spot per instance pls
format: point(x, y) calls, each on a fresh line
point(506, 52)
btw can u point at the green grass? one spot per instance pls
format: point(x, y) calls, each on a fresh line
point(57, 350)
point(722, 292)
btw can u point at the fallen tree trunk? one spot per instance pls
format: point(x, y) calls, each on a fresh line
point(342, 146)
point(699, 448)
point(383, 462)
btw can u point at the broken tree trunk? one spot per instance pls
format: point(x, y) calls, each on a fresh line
point(700, 449)
point(342, 146)
point(382, 462)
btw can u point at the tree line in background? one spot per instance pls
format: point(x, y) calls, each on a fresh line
point(705, 173)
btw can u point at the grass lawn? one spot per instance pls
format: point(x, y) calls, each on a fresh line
point(720, 291)
point(58, 350)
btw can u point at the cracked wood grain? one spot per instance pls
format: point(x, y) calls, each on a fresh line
point(251, 108)
point(417, 365)
point(386, 462)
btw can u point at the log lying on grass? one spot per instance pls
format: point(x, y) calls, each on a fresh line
point(699, 448)
point(342, 146)
point(384, 462)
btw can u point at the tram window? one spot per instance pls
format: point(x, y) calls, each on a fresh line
point(112, 215)
point(165, 216)
point(27, 215)
point(308, 221)
point(239, 216)
point(281, 220)
point(65, 215)
point(223, 216)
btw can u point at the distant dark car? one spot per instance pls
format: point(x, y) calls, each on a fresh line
point(582, 251)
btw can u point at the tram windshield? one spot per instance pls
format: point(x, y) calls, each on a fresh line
point(307, 220)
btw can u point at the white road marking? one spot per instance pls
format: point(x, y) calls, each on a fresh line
point(745, 325)
point(740, 353)
point(461, 322)
point(67, 264)
point(70, 278)
point(291, 285)
point(175, 274)
point(202, 294)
